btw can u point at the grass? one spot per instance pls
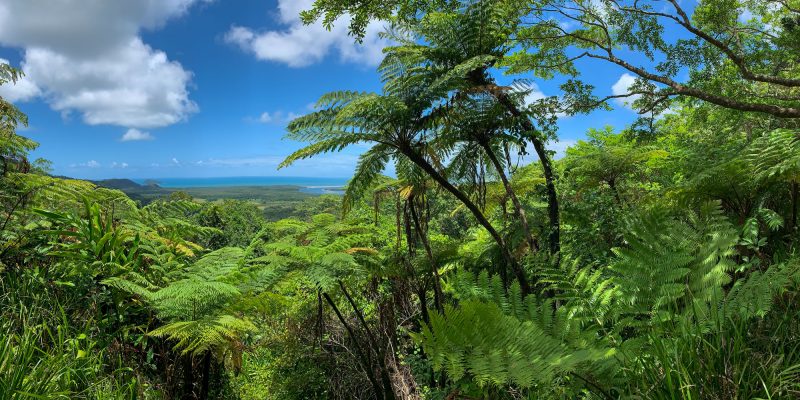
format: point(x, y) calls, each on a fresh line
point(756, 359)
point(44, 354)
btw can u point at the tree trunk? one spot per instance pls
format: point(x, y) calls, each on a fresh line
point(547, 168)
point(794, 203)
point(479, 79)
point(476, 212)
point(613, 185)
point(388, 392)
point(365, 363)
point(523, 219)
point(438, 296)
point(188, 378)
point(206, 375)
point(423, 304)
point(422, 290)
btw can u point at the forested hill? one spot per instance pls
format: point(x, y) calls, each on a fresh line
point(656, 260)
point(123, 184)
point(275, 201)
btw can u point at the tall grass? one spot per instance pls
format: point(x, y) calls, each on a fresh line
point(754, 359)
point(44, 354)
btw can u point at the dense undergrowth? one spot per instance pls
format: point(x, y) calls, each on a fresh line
point(658, 261)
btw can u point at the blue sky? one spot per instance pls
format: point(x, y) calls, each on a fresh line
point(197, 88)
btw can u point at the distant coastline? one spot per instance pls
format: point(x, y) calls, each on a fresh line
point(263, 189)
point(314, 184)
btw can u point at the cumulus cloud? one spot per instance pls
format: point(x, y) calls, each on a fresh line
point(299, 45)
point(271, 161)
point(622, 86)
point(88, 164)
point(265, 118)
point(276, 117)
point(135, 134)
point(534, 94)
point(87, 56)
point(21, 90)
point(559, 147)
point(122, 165)
point(340, 164)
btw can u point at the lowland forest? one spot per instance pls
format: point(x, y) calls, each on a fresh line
point(465, 259)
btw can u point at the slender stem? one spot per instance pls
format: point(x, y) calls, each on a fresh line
point(593, 384)
point(512, 195)
point(188, 378)
point(364, 362)
point(387, 383)
point(438, 296)
point(476, 212)
point(206, 375)
point(547, 168)
point(794, 203)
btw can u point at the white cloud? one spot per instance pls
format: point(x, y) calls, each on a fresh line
point(276, 117)
point(175, 161)
point(22, 90)
point(87, 56)
point(82, 28)
point(265, 118)
point(245, 161)
point(622, 86)
point(534, 94)
point(122, 165)
point(559, 147)
point(339, 164)
point(88, 164)
point(135, 134)
point(300, 45)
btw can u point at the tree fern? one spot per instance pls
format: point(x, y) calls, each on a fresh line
point(776, 155)
point(672, 273)
point(479, 339)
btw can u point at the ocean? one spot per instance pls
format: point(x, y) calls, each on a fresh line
point(307, 184)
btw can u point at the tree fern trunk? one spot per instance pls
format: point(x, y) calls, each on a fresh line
point(438, 296)
point(523, 218)
point(423, 304)
point(794, 204)
point(365, 363)
point(478, 78)
point(613, 185)
point(476, 212)
point(547, 168)
point(206, 375)
point(386, 380)
point(188, 378)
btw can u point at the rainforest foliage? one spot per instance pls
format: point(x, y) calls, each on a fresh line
point(653, 261)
